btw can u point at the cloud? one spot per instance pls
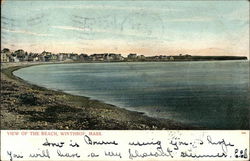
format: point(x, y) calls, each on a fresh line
point(26, 32)
point(71, 28)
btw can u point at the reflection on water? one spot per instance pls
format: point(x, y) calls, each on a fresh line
point(209, 94)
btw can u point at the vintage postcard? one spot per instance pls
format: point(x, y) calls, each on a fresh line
point(74, 70)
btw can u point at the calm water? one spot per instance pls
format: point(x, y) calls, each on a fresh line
point(209, 94)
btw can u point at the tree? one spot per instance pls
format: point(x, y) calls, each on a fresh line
point(5, 50)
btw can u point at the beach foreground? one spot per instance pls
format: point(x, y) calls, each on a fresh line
point(26, 106)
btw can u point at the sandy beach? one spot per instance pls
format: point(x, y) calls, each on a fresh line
point(26, 106)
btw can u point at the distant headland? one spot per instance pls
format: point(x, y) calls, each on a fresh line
point(23, 56)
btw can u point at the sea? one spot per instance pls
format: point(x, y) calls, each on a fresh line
point(208, 94)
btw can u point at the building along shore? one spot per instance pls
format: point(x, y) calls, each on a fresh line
point(23, 56)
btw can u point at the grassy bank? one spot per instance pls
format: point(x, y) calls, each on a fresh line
point(26, 106)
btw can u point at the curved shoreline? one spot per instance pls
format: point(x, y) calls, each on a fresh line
point(41, 108)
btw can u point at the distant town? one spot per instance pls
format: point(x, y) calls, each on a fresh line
point(23, 56)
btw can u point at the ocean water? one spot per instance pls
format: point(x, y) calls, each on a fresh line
point(210, 94)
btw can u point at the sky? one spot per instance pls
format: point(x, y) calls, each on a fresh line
point(142, 27)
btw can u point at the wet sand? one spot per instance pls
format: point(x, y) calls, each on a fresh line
point(27, 106)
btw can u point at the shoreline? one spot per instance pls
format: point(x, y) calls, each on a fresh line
point(28, 106)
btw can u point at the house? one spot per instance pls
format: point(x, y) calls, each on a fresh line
point(21, 55)
point(141, 57)
point(41, 58)
point(73, 56)
point(4, 58)
point(5, 55)
point(153, 58)
point(171, 58)
point(132, 56)
point(13, 59)
point(98, 57)
point(33, 57)
point(163, 57)
point(47, 58)
point(63, 56)
point(60, 57)
point(83, 57)
point(53, 57)
point(114, 57)
point(119, 57)
point(45, 53)
point(108, 57)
